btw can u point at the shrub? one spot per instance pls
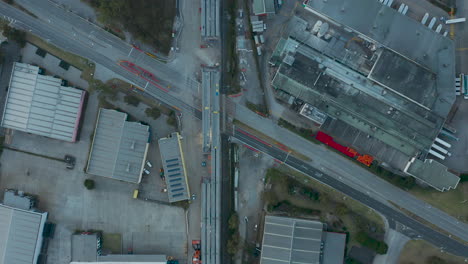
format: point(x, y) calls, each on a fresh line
point(132, 100)
point(379, 247)
point(89, 184)
point(171, 120)
point(153, 112)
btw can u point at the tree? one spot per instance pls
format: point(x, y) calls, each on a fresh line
point(153, 112)
point(171, 120)
point(132, 100)
point(89, 184)
point(14, 35)
point(103, 89)
point(233, 222)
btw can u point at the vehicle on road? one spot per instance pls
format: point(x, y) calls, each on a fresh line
point(203, 164)
point(145, 171)
point(194, 196)
point(149, 164)
point(196, 257)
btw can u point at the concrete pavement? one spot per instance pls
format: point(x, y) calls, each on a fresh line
point(321, 157)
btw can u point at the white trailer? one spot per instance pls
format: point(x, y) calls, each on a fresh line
point(439, 28)
point(390, 2)
point(437, 155)
point(405, 10)
point(262, 39)
point(256, 39)
point(439, 148)
point(443, 143)
point(432, 23)
point(259, 51)
point(385, 2)
point(424, 19)
point(400, 9)
point(455, 20)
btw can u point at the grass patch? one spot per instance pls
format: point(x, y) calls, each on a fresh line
point(296, 194)
point(257, 108)
point(87, 68)
point(153, 112)
point(453, 202)
point(421, 252)
point(234, 237)
point(172, 119)
point(131, 100)
point(112, 242)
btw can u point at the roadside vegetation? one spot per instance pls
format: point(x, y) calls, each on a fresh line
point(232, 74)
point(421, 252)
point(294, 194)
point(257, 108)
point(233, 236)
point(149, 21)
point(89, 184)
point(13, 34)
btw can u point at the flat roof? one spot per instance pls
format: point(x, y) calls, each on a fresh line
point(344, 94)
point(40, 105)
point(17, 199)
point(148, 259)
point(84, 247)
point(119, 147)
point(333, 248)
point(261, 7)
point(433, 173)
point(174, 168)
point(20, 235)
point(210, 25)
point(401, 34)
point(291, 240)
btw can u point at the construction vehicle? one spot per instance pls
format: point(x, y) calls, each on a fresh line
point(196, 258)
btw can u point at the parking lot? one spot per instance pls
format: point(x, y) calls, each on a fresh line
point(146, 227)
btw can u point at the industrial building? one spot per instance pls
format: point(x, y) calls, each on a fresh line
point(376, 80)
point(87, 248)
point(41, 105)
point(293, 240)
point(263, 7)
point(119, 147)
point(173, 162)
point(21, 230)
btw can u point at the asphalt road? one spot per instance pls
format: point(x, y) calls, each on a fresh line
point(426, 233)
point(105, 49)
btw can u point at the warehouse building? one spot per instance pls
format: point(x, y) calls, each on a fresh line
point(173, 162)
point(21, 233)
point(87, 249)
point(383, 80)
point(293, 240)
point(263, 7)
point(119, 147)
point(40, 105)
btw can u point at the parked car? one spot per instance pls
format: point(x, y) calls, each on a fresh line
point(149, 164)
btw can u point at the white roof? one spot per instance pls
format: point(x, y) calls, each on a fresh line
point(20, 235)
point(38, 104)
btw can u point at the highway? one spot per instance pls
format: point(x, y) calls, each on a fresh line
point(107, 50)
point(428, 234)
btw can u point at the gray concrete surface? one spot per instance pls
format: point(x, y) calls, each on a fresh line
point(109, 207)
point(396, 242)
point(459, 148)
point(11, 53)
point(252, 169)
point(51, 64)
point(78, 7)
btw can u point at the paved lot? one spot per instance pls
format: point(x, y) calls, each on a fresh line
point(252, 169)
point(51, 64)
point(145, 226)
point(459, 148)
point(11, 53)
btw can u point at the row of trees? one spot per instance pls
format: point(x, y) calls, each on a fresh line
point(149, 21)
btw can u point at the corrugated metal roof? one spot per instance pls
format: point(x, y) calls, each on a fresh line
point(291, 240)
point(38, 104)
point(334, 248)
point(20, 235)
point(261, 7)
point(119, 147)
point(174, 168)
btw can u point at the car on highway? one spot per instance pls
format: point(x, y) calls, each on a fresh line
point(145, 171)
point(149, 164)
